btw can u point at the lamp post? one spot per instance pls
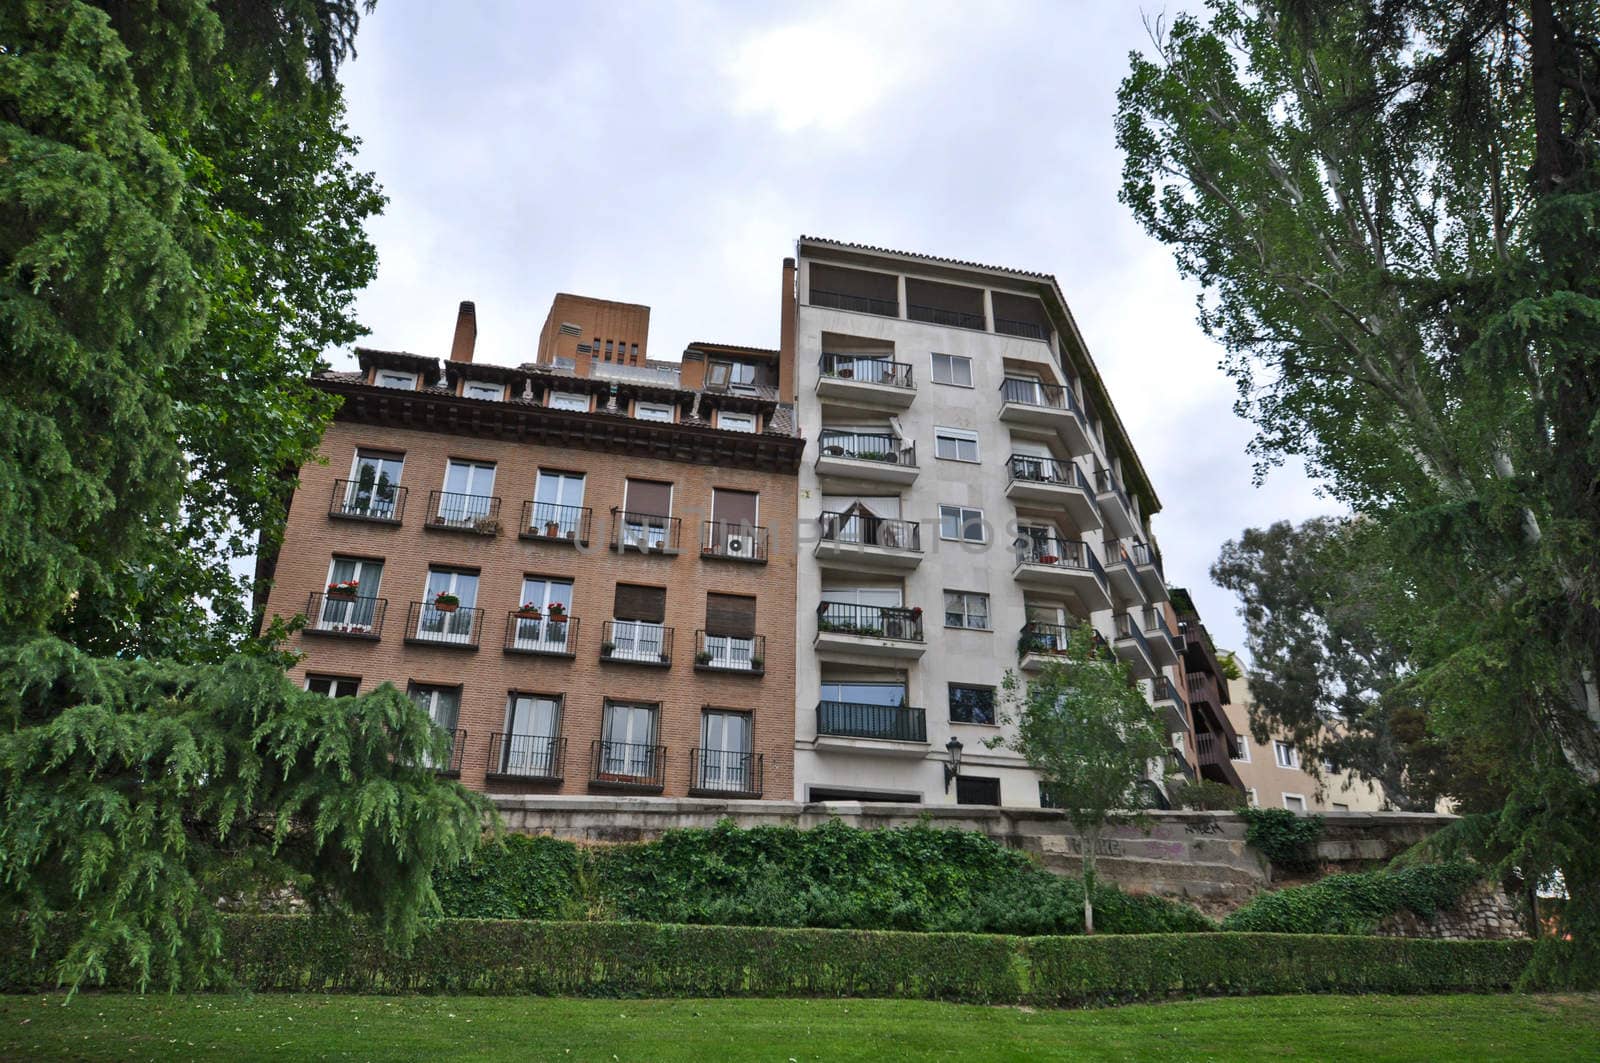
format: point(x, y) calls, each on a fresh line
point(952, 769)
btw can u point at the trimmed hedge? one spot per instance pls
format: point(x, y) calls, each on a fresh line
point(275, 953)
point(1356, 903)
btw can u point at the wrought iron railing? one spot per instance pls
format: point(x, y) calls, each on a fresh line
point(868, 446)
point(1062, 553)
point(546, 520)
point(733, 541)
point(469, 513)
point(627, 765)
point(429, 624)
point(520, 756)
point(740, 654)
point(1155, 623)
point(847, 719)
point(1048, 471)
point(547, 634)
point(1166, 690)
point(877, 621)
point(636, 642)
point(1025, 391)
point(1040, 637)
point(1013, 327)
point(365, 500)
point(938, 315)
point(862, 529)
point(1105, 483)
point(861, 304)
point(724, 772)
point(1146, 555)
point(646, 532)
point(348, 617)
point(1126, 629)
point(451, 764)
point(866, 369)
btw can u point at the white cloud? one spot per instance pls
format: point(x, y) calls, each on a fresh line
point(818, 75)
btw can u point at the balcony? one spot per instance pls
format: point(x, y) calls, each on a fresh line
point(645, 533)
point(450, 627)
point(893, 730)
point(724, 773)
point(1130, 644)
point(473, 514)
point(1164, 646)
point(1031, 404)
point(1215, 752)
point(1203, 691)
point(627, 767)
point(870, 381)
point(1058, 484)
point(1126, 590)
point(1063, 565)
point(861, 541)
point(545, 635)
point(858, 304)
point(636, 642)
point(526, 758)
point(549, 523)
point(1007, 326)
point(733, 654)
point(879, 457)
point(344, 617)
point(1147, 563)
point(450, 766)
point(1165, 694)
point(1041, 643)
point(938, 315)
point(725, 541)
point(1115, 507)
point(382, 503)
point(844, 628)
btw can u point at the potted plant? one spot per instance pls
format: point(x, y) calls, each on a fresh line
point(703, 657)
point(1048, 559)
point(343, 590)
point(607, 648)
point(833, 450)
point(552, 529)
point(529, 611)
point(666, 658)
point(758, 664)
point(445, 602)
point(486, 526)
point(558, 613)
point(916, 612)
point(847, 373)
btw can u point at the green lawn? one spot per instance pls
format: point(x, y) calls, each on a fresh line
point(331, 1027)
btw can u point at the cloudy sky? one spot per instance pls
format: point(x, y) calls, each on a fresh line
point(671, 154)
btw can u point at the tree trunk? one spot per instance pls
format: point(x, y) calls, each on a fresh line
point(1547, 162)
point(1088, 882)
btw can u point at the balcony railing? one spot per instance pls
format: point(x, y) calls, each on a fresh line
point(645, 532)
point(1048, 471)
point(732, 541)
point(1213, 748)
point(1203, 688)
point(1166, 690)
point(535, 757)
point(866, 369)
point(468, 513)
point(938, 315)
point(739, 654)
point(1145, 554)
point(451, 764)
point(553, 523)
point(861, 304)
point(429, 625)
point(865, 446)
point(353, 617)
point(636, 642)
point(1126, 629)
point(1106, 483)
point(384, 503)
point(1013, 327)
point(1027, 392)
point(1155, 622)
point(862, 529)
point(544, 635)
point(894, 723)
point(627, 765)
point(1039, 637)
point(1061, 553)
point(724, 773)
point(875, 621)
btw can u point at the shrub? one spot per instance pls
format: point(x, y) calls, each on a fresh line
point(521, 878)
point(1356, 903)
point(1205, 795)
point(1287, 839)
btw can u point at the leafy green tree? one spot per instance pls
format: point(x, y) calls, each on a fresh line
point(1392, 209)
point(1091, 736)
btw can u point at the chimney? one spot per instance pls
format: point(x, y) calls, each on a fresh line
point(787, 324)
point(466, 333)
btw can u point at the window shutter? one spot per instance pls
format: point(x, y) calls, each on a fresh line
point(734, 507)
point(633, 602)
point(730, 614)
point(650, 497)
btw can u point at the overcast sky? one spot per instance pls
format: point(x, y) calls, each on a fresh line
point(671, 154)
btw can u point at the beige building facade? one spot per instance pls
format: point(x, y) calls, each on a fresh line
point(1274, 774)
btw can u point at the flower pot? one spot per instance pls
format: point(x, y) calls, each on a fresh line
point(447, 607)
point(552, 529)
point(558, 618)
point(1048, 559)
point(529, 614)
point(341, 596)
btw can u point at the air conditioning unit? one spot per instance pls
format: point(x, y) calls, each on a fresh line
point(741, 545)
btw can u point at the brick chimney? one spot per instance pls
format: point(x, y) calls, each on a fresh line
point(788, 323)
point(466, 333)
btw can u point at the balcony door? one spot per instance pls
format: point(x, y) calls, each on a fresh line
point(357, 614)
point(647, 507)
point(860, 519)
point(1026, 389)
point(544, 633)
point(533, 722)
point(629, 734)
point(874, 610)
point(468, 491)
point(1036, 542)
point(441, 625)
point(638, 629)
point(558, 498)
point(373, 479)
point(1048, 625)
point(734, 517)
point(443, 706)
point(725, 760)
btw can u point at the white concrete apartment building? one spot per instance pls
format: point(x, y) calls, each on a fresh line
point(967, 495)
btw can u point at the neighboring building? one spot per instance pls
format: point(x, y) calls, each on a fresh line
point(1274, 775)
point(642, 512)
point(1212, 740)
point(968, 496)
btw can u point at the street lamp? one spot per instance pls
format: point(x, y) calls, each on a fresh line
point(953, 768)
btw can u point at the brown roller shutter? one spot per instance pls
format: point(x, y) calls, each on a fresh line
point(649, 497)
point(640, 603)
point(730, 614)
point(734, 507)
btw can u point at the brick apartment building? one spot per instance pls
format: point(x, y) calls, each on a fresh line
point(583, 566)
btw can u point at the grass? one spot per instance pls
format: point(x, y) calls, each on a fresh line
point(239, 1028)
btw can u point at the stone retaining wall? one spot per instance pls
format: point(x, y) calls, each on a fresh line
point(1484, 913)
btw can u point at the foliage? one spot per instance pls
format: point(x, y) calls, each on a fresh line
point(180, 236)
point(1356, 903)
point(274, 953)
point(517, 877)
point(1394, 210)
point(1091, 736)
point(138, 793)
point(1205, 795)
point(1287, 839)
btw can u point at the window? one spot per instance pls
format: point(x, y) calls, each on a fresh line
point(977, 790)
point(1294, 802)
point(1286, 755)
point(557, 509)
point(357, 615)
point(887, 694)
point(720, 375)
point(953, 444)
point(736, 422)
point(646, 515)
point(443, 706)
point(547, 633)
point(1241, 750)
point(608, 350)
point(333, 686)
point(452, 624)
point(371, 490)
point(568, 400)
point(730, 632)
point(725, 762)
point(391, 378)
point(952, 369)
point(637, 631)
point(468, 494)
point(627, 744)
point(478, 389)
point(970, 704)
point(633, 352)
point(653, 411)
point(961, 524)
point(533, 723)
point(966, 609)
point(1250, 797)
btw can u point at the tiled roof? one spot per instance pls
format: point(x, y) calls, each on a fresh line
point(733, 348)
point(869, 248)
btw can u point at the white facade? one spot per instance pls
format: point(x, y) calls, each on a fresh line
point(865, 384)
